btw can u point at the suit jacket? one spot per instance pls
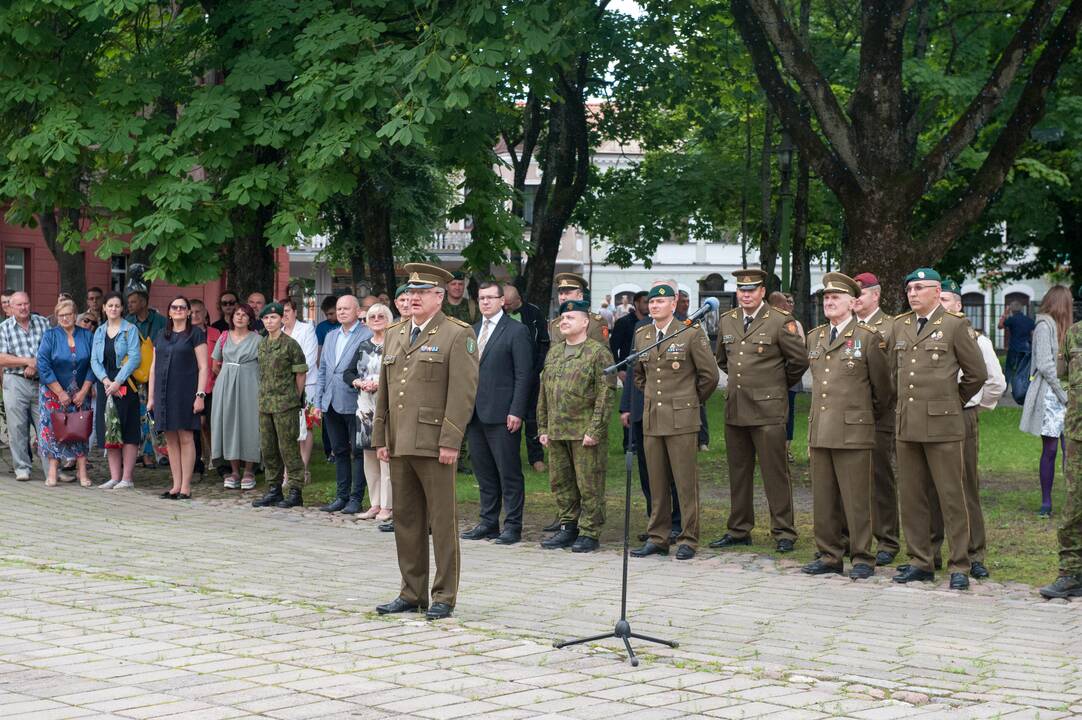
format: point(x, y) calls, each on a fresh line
point(851, 386)
point(331, 389)
point(762, 364)
point(507, 366)
point(675, 378)
point(426, 388)
point(622, 337)
point(926, 365)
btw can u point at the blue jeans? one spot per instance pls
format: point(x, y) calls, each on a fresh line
point(348, 475)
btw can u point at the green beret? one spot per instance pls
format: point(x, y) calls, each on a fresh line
point(662, 291)
point(574, 306)
point(950, 286)
point(401, 289)
point(274, 307)
point(458, 275)
point(923, 274)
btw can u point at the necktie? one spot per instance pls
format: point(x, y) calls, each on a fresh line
point(833, 335)
point(413, 334)
point(483, 340)
point(921, 322)
point(747, 322)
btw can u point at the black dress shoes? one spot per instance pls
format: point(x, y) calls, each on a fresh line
point(335, 506)
point(785, 546)
point(398, 605)
point(387, 526)
point(352, 507)
point(643, 537)
point(1065, 586)
point(913, 574)
point(565, 538)
point(438, 611)
point(480, 532)
point(507, 537)
point(585, 544)
point(168, 495)
point(552, 526)
point(273, 497)
point(959, 581)
point(649, 549)
point(883, 558)
point(861, 571)
point(293, 500)
point(978, 570)
point(818, 567)
point(728, 540)
point(685, 552)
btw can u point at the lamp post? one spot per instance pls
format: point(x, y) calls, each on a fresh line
point(785, 163)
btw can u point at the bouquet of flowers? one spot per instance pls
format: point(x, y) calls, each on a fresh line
point(114, 439)
point(310, 418)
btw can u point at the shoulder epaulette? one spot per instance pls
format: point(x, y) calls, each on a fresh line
point(869, 327)
point(956, 314)
point(461, 323)
point(403, 321)
point(596, 316)
point(897, 317)
point(817, 327)
point(640, 329)
point(783, 312)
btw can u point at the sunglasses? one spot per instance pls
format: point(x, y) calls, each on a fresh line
point(178, 307)
point(227, 302)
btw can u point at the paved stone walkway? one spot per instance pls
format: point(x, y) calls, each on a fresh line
point(124, 605)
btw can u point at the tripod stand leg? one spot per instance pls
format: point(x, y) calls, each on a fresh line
point(647, 638)
point(579, 641)
point(630, 653)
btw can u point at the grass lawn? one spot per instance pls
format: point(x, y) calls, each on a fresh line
point(1021, 546)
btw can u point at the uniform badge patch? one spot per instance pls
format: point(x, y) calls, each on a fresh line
point(790, 327)
point(471, 345)
point(728, 338)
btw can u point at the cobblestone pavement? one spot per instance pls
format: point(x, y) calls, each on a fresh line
point(119, 604)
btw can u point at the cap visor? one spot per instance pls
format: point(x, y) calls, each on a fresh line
point(748, 286)
point(419, 286)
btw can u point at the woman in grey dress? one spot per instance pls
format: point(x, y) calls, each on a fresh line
point(234, 429)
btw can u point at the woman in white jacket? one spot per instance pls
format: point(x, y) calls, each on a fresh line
point(305, 335)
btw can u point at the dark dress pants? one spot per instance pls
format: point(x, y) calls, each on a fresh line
point(644, 480)
point(535, 453)
point(349, 477)
point(497, 465)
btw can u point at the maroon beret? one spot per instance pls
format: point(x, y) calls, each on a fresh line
point(866, 280)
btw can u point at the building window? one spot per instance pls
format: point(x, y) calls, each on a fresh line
point(118, 273)
point(15, 268)
point(529, 198)
point(973, 307)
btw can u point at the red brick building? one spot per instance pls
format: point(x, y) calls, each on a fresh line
point(27, 264)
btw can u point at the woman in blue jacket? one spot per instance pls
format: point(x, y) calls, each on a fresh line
point(116, 355)
point(64, 367)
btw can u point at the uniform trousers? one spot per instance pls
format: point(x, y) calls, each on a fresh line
point(424, 494)
point(278, 446)
point(885, 523)
point(671, 459)
point(767, 442)
point(933, 469)
point(1070, 530)
point(842, 501)
point(636, 434)
point(577, 478)
point(978, 542)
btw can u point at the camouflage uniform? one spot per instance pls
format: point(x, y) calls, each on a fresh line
point(279, 422)
point(466, 310)
point(576, 400)
point(1070, 532)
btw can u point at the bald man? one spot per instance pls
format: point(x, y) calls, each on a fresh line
point(20, 336)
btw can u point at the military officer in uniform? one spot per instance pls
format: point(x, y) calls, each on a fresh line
point(675, 379)
point(427, 385)
point(570, 286)
point(1069, 582)
point(763, 353)
point(572, 422)
point(885, 524)
point(282, 370)
point(457, 303)
point(931, 346)
point(985, 399)
point(851, 387)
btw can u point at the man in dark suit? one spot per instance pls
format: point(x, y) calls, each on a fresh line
point(506, 366)
point(537, 327)
point(620, 341)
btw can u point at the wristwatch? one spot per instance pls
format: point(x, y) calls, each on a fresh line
point(201, 394)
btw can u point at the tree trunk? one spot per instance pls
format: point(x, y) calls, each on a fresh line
point(879, 242)
point(375, 217)
point(249, 258)
point(72, 265)
point(800, 281)
point(768, 249)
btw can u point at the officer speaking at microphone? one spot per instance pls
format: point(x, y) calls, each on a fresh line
point(675, 379)
point(851, 388)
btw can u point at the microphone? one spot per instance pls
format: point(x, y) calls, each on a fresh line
point(709, 306)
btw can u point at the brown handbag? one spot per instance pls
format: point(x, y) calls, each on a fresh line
point(72, 426)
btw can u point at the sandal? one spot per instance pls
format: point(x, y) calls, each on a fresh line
point(247, 482)
point(384, 516)
point(85, 482)
point(50, 482)
point(231, 482)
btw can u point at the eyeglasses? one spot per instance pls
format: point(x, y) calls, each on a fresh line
point(917, 287)
point(227, 302)
point(178, 307)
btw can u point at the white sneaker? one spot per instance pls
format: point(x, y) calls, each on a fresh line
point(109, 485)
point(124, 485)
point(22, 475)
point(247, 483)
point(231, 482)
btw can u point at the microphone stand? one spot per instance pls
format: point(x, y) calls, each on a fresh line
point(623, 627)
